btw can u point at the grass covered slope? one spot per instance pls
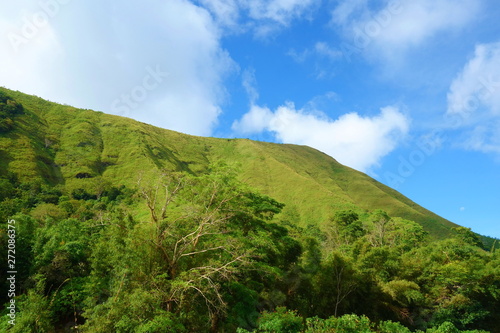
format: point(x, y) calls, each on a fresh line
point(78, 148)
point(321, 185)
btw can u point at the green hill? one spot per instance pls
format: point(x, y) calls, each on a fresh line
point(113, 225)
point(60, 144)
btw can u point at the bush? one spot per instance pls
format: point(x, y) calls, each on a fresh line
point(392, 327)
point(445, 327)
point(162, 323)
point(353, 324)
point(280, 321)
point(82, 194)
point(346, 324)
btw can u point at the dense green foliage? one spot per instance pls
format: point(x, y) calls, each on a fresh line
point(214, 255)
point(118, 233)
point(9, 108)
point(289, 322)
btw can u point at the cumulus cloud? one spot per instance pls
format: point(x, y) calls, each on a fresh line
point(357, 141)
point(474, 97)
point(30, 46)
point(400, 24)
point(166, 66)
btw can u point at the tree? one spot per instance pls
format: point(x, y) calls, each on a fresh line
point(8, 109)
point(467, 236)
point(381, 222)
point(205, 236)
point(333, 284)
point(346, 228)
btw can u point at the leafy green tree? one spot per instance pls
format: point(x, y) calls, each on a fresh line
point(33, 313)
point(333, 286)
point(405, 234)
point(282, 320)
point(349, 323)
point(206, 236)
point(452, 275)
point(392, 327)
point(381, 223)
point(467, 236)
point(7, 190)
point(8, 109)
point(346, 228)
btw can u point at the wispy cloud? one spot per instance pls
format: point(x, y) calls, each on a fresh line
point(346, 10)
point(260, 16)
point(249, 82)
point(484, 138)
point(477, 86)
point(390, 30)
point(320, 48)
point(279, 11)
point(357, 141)
point(474, 97)
point(225, 12)
point(418, 21)
point(323, 49)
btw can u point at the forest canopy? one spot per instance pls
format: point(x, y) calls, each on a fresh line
point(211, 254)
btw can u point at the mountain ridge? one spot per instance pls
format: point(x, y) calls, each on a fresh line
point(63, 145)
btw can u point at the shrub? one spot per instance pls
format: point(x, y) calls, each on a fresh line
point(280, 321)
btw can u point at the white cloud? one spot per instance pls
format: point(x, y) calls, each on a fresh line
point(249, 82)
point(413, 22)
point(91, 59)
point(226, 12)
point(323, 56)
point(28, 45)
point(474, 97)
point(356, 141)
point(477, 86)
point(279, 11)
point(322, 48)
point(346, 9)
point(400, 24)
point(483, 138)
point(263, 17)
point(255, 121)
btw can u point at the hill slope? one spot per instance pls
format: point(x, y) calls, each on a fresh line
point(63, 145)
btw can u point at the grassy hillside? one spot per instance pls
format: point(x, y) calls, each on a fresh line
point(78, 148)
point(200, 245)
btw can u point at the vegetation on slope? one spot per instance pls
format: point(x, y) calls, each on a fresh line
point(212, 255)
point(61, 145)
point(124, 227)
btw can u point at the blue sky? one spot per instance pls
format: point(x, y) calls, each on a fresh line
point(407, 91)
